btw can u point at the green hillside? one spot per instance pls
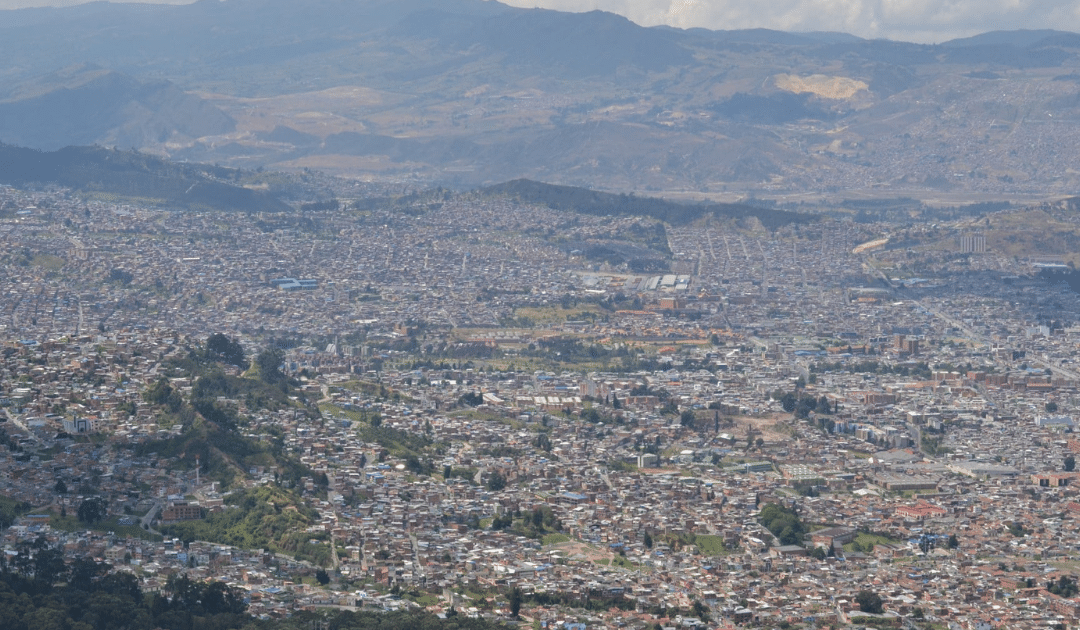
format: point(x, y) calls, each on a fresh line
point(267, 517)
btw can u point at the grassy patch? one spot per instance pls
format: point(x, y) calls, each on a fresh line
point(330, 409)
point(427, 600)
point(864, 540)
point(48, 261)
point(481, 415)
point(373, 389)
point(711, 545)
point(554, 539)
point(10, 509)
point(71, 524)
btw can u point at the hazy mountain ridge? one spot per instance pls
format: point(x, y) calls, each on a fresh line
point(88, 105)
point(585, 201)
point(134, 175)
point(477, 92)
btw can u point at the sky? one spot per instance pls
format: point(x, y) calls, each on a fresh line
point(923, 21)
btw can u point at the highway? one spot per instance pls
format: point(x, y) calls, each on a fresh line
point(970, 334)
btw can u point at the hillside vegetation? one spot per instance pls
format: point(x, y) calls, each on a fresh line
point(267, 517)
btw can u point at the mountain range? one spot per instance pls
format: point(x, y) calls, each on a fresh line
point(473, 92)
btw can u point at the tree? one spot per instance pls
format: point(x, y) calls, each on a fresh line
point(648, 540)
point(823, 405)
point(515, 602)
point(700, 611)
point(322, 577)
point(472, 399)
point(1070, 463)
point(869, 602)
point(538, 518)
point(219, 597)
point(48, 562)
point(788, 402)
point(954, 542)
point(60, 487)
point(221, 348)
point(92, 510)
point(496, 482)
point(85, 572)
point(686, 419)
point(784, 523)
point(1051, 407)
point(268, 365)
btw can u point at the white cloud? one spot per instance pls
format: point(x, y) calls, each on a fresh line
point(909, 20)
point(25, 4)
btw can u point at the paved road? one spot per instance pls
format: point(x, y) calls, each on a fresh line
point(974, 336)
point(23, 427)
point(146, 520)
point(971, 334)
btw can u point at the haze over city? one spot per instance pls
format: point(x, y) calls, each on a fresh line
point(373, 314)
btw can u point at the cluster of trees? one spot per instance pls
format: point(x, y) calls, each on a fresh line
point(569, 349)
point(869, 602)
point(532, 524)
point(93, 597)
point(221, 449)
point(784, 523)
point(221, 348)
point(921, 369)
point(495, 481)
point(930, 541)
point(471, 399)
point(161, 393)
point(932, 445)
point(801, 403)
point(1063, 586)
point(92, 510)
point(1016, 529)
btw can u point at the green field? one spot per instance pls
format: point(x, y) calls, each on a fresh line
point(71, 524)
point(711, 545)
point(864, 540)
